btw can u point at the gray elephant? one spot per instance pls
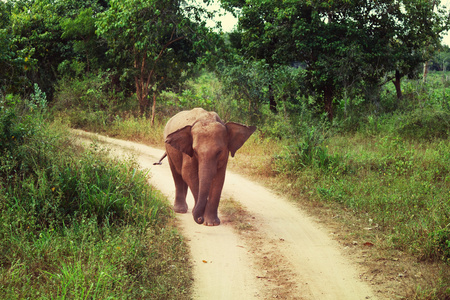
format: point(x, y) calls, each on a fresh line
point(197, 146)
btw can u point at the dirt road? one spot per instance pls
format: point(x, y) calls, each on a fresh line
point(285, 255)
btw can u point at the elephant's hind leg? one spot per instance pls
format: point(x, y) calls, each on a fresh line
point(181, 188)
point(180, 205)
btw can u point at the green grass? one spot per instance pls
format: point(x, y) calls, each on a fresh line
point(400, 185)
point(77, 225)
point(403, 187)
point(121, 125)
point(139, 129)
point(391, 191)
point(384, 166)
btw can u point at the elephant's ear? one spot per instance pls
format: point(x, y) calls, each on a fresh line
point(237, 135)
point(181, 140)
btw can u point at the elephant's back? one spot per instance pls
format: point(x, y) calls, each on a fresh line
point(189, 117)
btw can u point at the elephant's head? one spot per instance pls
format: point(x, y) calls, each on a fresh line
point(209, 144)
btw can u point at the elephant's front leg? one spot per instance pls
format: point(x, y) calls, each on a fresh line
point(210, 216)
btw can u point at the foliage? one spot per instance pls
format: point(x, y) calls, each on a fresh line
point(345, 46)
point(247, 82)
point(393, 169)
point(441, 242)
point(158, 36)
point(308, 152)
point(153, 46)
point(424, 123)
point(76, 224)
point(441, 60)
point(44, 40)
point(402, 186)
point(92, 92)
point(205, 91)
point(16, 128)
point(14, 62)
point(36, 32)
point(88, 50)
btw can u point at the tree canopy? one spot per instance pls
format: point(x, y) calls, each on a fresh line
point(151, 43)
point(346, 48)
point(346, 45)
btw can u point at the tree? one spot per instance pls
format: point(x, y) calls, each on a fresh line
point(13, 62)
point(80, 30)
point(36, 32)
point(345, 44)
point(153, 41)
point(417, 38)
point(247, 82)
point(441, 60)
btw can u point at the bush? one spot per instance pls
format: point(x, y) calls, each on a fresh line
point(276, 126)
point(308, 152)
point(78, 225)
point(54, 189)
point(93, 92)
point(441, 244)
point(424, 123)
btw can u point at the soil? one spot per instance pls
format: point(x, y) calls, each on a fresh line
point(279, 252)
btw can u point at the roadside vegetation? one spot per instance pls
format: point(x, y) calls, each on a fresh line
point(76, 224)
point(349, 121)
point(389, 172)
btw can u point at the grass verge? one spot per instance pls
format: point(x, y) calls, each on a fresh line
point(75, 224)
point(385, 191)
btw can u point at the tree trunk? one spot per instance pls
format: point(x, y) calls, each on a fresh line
point(272, 102)
point(141, 94)
point(153, 109)
point(141, 87)
point(328, 101)
point(425, 65)
point(397, 82)
point(425, 71)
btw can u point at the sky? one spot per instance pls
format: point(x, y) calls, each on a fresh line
point(228, 21)
point(446, 40)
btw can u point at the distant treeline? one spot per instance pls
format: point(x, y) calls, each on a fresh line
point(345, 49)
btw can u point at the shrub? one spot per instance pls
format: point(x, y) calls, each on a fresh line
point(441, 244)
point(93, 92)
point(424, 123)
point(308, 152)
point(78, 225)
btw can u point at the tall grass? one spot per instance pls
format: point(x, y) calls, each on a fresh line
point(76, 224)
point(138, 129)
point(403, 188)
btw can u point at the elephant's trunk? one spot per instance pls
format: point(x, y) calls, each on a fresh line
point(206, 174)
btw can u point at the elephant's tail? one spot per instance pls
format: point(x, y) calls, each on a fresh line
point(161, 159)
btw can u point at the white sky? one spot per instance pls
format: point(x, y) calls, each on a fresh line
point(228, 21)
point(446, 40)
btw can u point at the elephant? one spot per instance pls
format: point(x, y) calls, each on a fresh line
point(197, 145)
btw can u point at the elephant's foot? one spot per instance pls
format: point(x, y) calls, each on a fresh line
point(212, 221)
point(180, 208)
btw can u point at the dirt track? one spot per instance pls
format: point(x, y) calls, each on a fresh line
point(286, 255)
